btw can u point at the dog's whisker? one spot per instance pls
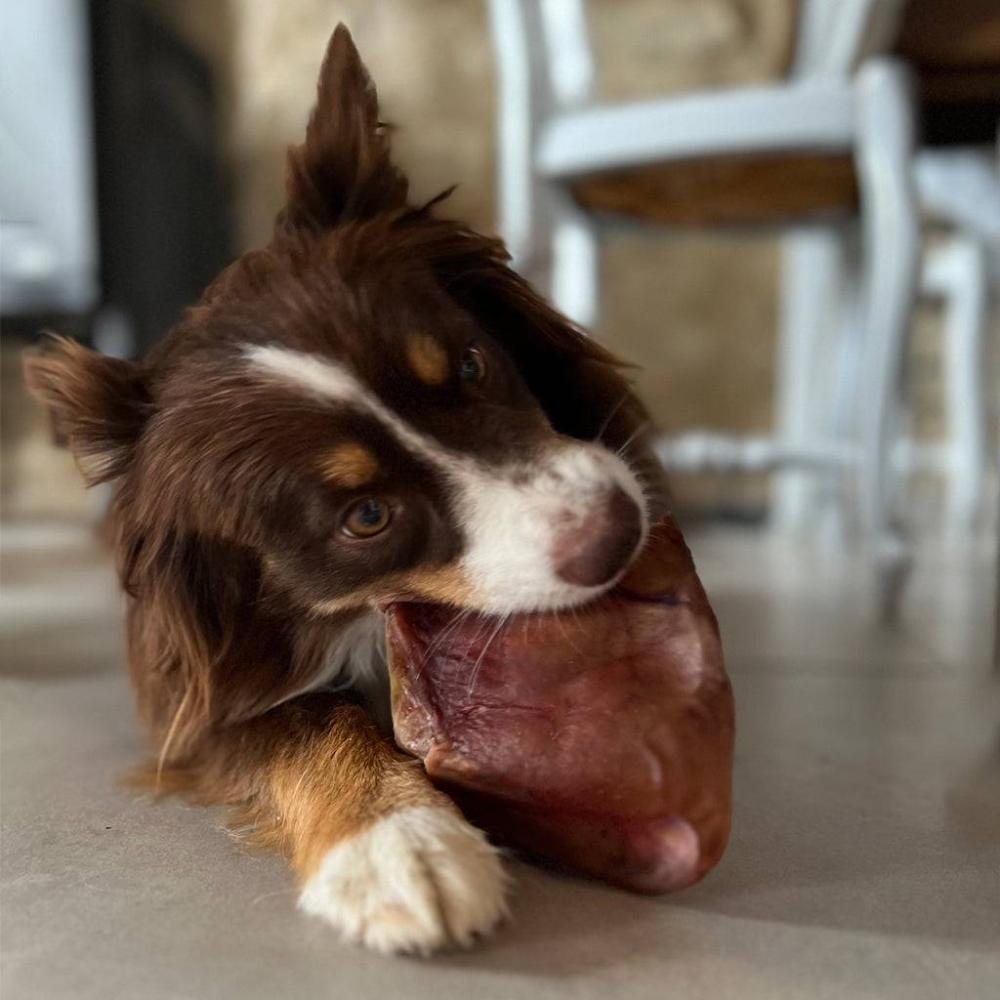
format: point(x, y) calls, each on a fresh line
point(473, 639)
point(460, 615)
point(641, 429)
point(607, 420)
point(496, 631)
point(562, 628)
point(453, 625)
point(449, 631)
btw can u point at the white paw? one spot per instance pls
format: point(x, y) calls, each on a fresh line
point(419, 880)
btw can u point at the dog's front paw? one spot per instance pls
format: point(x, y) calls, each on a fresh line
point(419, 880)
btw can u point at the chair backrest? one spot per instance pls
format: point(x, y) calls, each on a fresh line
point(545, 66)
point(547, 44)
point(833, 36)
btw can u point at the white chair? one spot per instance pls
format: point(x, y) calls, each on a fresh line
point(554, 140)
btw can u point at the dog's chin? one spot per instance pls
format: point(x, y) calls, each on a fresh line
point(515, 610)
point(440, 625)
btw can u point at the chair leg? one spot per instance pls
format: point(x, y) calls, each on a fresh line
point(958, 272)
point(811, 284)
point(576, 264)
point(891, 246)
point(558, 249)
point(846, 364)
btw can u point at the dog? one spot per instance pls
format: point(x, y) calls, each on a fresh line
point(373, 407)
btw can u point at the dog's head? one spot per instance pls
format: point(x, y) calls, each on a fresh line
point(372, 407)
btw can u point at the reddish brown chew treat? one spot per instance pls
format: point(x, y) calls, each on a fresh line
point(600, 738)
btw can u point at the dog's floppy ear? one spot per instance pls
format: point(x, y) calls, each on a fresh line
point(99, 404)
point(194, 602)
point(210, 646)
point(342, 172)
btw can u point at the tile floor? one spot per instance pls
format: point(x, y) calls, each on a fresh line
point(865, 859)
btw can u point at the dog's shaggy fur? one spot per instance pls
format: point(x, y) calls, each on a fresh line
point(373, 407)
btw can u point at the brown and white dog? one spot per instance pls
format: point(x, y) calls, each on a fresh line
point(373, 407)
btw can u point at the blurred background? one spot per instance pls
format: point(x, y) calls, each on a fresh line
point(786, 213)
point(144, 143)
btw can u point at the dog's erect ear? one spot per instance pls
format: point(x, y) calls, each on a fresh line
point(99, 404)
point(342, 172)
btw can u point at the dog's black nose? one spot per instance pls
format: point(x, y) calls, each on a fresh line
point(597, 549)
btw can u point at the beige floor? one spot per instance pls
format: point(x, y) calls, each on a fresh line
point(865, 859)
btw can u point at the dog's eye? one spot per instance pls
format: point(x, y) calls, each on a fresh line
point(472, 366)
point(366, 518)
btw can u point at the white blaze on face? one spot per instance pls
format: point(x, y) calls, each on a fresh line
point(510, 516)
point(512, 522)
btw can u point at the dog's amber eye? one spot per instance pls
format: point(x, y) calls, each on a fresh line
point(472, 367)
point(367, 518)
